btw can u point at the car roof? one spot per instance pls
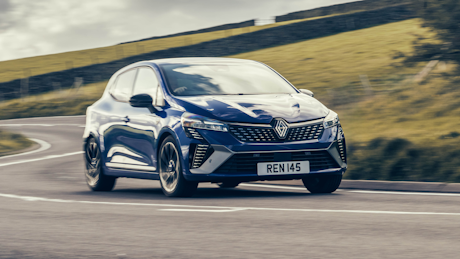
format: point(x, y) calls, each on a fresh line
point(196, 60)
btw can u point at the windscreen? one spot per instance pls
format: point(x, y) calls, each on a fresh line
point(223, 79)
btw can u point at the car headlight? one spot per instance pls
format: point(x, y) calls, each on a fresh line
point(190, 120)
point(331, 120)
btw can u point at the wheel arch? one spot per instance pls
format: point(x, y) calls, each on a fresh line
point(164, 133)
point(96, 137)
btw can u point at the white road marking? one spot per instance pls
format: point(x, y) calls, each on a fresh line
point(20, 125)
point(229, 209)
point(48, 117)
point(200, 210)
point(43, 146)
point(274, 186)
point(407, 193)
point(356, 191)
point(41, 158)
point(41, 125)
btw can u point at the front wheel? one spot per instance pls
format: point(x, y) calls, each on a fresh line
point(172, 180)
point(95, 177)
point(322, 183)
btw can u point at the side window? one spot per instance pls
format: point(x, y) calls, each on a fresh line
point(146, 83)
point(124, 86)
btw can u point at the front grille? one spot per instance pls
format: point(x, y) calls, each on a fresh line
point(306, 132)
point(253, 134)
point(200, 154)
point(247, 163)
point(267, 134)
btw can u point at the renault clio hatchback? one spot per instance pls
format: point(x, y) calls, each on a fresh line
point(226, 121)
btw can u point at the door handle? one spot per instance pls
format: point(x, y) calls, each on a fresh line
point(125, 119)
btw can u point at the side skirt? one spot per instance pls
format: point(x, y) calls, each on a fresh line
point(130, 173)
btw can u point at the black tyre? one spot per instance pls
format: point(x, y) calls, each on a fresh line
point(95, 177)
point(172, 180)
point(322, 183)
point(228, 184)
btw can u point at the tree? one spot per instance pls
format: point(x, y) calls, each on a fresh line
point(443, 16)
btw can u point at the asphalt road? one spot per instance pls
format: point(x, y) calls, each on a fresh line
point(47, 211)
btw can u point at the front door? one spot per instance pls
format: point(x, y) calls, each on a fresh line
point(143, 123)
point(118, 135)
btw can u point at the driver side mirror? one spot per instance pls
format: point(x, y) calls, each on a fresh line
point(307, 92)
point(142, 101)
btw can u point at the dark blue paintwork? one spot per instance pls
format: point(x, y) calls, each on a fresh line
point(255, 109)
point(133, 135)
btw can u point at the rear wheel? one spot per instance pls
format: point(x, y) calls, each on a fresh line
point(322, 183)
point(172, 180)
point(95, 177)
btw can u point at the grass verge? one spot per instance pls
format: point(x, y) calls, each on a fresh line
point(12, 142)
point(58, 103)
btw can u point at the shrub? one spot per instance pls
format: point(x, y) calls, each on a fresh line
point(400, 160)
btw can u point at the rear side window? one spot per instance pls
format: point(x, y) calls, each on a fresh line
point(146, 83)
point(124, 86)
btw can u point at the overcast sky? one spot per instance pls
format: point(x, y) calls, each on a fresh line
point(40, 27)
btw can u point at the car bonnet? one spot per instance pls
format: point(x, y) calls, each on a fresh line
point(255, 108)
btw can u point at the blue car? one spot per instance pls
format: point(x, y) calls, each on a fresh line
point(189, 120)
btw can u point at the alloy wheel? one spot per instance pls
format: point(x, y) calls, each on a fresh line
point(169, 167)
point(93, 163)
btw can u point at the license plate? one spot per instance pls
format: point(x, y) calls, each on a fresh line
point(280, 168)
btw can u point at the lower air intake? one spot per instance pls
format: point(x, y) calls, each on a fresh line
point(200, 152)
point(247, 163)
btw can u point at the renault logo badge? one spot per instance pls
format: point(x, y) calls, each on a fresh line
point(281, 128)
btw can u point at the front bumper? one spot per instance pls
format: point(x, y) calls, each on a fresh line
point(227, 158)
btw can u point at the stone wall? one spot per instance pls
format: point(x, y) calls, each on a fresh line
point(210, 29)
point(365, 5)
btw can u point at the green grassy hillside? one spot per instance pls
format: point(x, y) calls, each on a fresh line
point(21, 68)
point(331, 67)
point(397, 129)
point(323, 65)
point(338, 60)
